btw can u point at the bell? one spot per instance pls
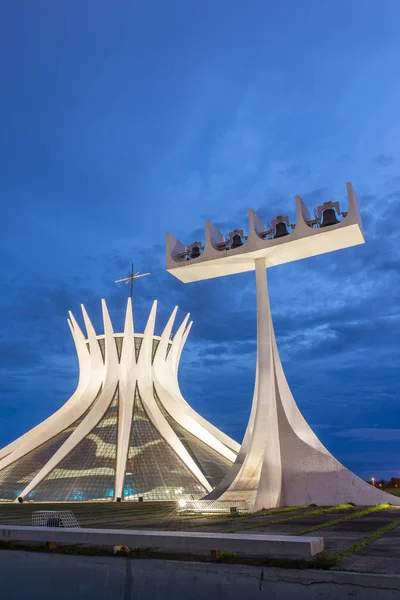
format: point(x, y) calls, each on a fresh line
point(329, 217)
point(236, 241)
point(280, 230)
point(195, 252)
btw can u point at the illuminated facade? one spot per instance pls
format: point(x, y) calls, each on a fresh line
point(126, 433)
point(281, 461)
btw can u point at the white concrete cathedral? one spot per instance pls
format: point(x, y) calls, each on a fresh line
point(281, 461)
point(126, 433)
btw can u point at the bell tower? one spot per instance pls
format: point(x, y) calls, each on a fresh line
point(281, 461)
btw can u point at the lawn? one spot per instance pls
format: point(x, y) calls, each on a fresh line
point(394, 491)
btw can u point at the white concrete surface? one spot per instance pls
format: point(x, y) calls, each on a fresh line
point(284, 463)
point(302, 242)
point(281, 462)
point(265, 545)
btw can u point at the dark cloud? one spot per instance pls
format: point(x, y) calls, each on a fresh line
point(240, 347)
point(384, 160)
point(17, 354)
point(329, 312)
point(96, 181)
point(295, 169)
point(371, 434)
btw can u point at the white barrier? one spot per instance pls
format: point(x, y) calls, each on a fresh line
point(260, 544)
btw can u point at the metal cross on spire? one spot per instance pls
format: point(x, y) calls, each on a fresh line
point(132, 275)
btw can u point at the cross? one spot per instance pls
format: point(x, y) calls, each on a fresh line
point(131, 277)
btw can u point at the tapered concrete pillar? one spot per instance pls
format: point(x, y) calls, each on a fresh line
point(281, 461)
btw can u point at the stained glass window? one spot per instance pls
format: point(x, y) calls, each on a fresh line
point(138, 344)
point(15, 477)
point(156, 343)
point(88, 472)
point(102, 344)
point(153, 469)
point(210, 462)
point(119, 341)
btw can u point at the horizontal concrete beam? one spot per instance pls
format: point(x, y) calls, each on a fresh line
point(267, 545)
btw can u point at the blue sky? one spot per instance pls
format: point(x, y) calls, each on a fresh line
point(123, 120)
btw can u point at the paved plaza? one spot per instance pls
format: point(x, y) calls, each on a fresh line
point(361, 539)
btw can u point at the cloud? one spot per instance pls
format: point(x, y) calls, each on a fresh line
point(384, 160)
point(371, 434)
point(104, 204)
point(17, 353)
point(295, 169)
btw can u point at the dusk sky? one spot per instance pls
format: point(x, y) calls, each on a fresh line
point(121, 121)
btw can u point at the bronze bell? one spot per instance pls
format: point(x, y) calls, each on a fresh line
point(280, 230)
point(329, 217)
point(195, 252)
point(236, 241)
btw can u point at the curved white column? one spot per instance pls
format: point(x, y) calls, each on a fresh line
point(282, 462)
point(171, 383)
point(99, 379)
point(164, 374)
point(110, 381)
point(88, 385)
point(161, 368)
point(310, 474)
point(127, 384)
point(258, 471)
point(145, 385)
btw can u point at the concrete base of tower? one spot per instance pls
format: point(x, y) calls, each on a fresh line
point(282, 462)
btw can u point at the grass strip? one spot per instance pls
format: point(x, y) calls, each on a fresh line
point(357, 515)
point(324, 560)
point(317, 511)
point(341, 556)
point(327, 560)
point(273, 511)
